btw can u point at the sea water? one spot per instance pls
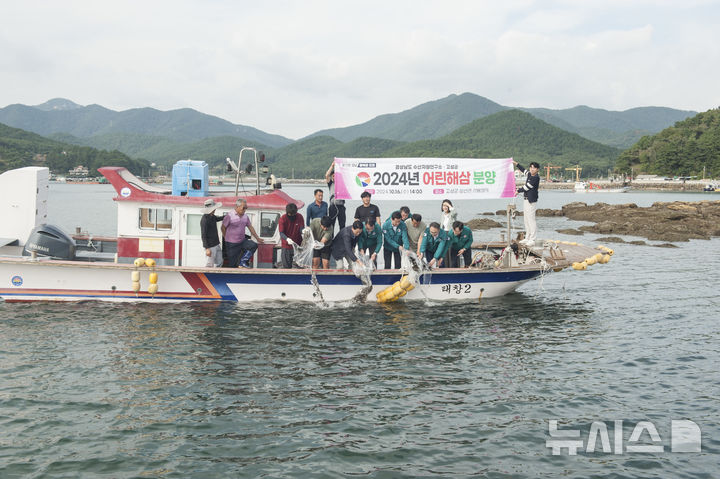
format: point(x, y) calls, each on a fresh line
point(368, 390)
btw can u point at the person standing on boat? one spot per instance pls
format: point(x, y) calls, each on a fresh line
point(367, 210)
point(434, 244)
point(322, 231)
point(415, 229)
point(343, 245)
point(290, 227)
point(530, 195)
point(460, 245)
point(233, 228)
point(371, 240)
point(448, 216)
point(209, 234)
point(316, 209)
point(395, 240)
point(337, 207)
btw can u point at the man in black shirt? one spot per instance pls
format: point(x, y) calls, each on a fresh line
point(209, 234)
point(367, 210)
point(530, 193)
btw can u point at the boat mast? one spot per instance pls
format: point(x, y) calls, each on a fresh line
point(259, 157)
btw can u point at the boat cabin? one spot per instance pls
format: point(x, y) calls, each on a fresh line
point(164, 224)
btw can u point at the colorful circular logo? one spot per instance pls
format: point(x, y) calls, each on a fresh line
point(363, 179)
point(16, 281)
point(125, 192)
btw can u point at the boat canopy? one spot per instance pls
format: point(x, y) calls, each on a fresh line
point(131, 188)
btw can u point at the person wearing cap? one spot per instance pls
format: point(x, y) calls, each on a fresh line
point(209, 234)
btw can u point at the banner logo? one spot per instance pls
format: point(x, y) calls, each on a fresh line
point(363, 179)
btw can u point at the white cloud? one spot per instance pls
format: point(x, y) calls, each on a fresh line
point(296, 67)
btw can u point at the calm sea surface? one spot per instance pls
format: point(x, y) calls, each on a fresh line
point(401, 390)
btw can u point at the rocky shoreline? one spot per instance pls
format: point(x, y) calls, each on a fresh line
point(670, 222)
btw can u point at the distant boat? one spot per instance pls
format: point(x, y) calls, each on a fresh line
point(589, 187)
point(711, 187)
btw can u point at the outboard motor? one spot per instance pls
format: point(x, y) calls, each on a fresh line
point(50, 241)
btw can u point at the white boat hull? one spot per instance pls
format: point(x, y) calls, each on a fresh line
point(46, 280)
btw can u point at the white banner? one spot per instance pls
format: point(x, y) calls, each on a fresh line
point(424, 178)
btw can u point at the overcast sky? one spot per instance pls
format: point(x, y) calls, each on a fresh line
point(292, 68)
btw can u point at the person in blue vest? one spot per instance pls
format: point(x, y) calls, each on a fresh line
point(395, 239)
point(371, 240)
point(460, 244)
point(316, 209)
point(435, 243)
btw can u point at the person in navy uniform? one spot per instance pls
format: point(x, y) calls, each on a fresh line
point(371, 240)
point(395, 239)
point(460, 244)
point(434, 245)
point(343, 245)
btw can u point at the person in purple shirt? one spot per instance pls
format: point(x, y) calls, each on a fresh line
point(233, 229)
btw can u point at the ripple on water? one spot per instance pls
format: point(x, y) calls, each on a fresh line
point(292, 390)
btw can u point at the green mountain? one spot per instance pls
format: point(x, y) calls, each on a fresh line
point(183, 125)
point(429, 120)
point(516, 134)
point(165, 151)
point(20, 148)
point(618, 129)
point(510, 133)
point(684, 149)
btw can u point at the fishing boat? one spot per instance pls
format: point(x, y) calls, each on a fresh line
point(157, 254)
point(590, 187)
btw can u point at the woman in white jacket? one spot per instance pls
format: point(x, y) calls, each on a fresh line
point(448, 216)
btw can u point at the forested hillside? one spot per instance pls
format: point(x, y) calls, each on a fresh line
point(20, 148)
point(516, 134)
point(684, 149)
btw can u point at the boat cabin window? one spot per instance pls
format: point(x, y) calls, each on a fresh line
point(268, 224)
point(155, 219)
point(192, 228)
